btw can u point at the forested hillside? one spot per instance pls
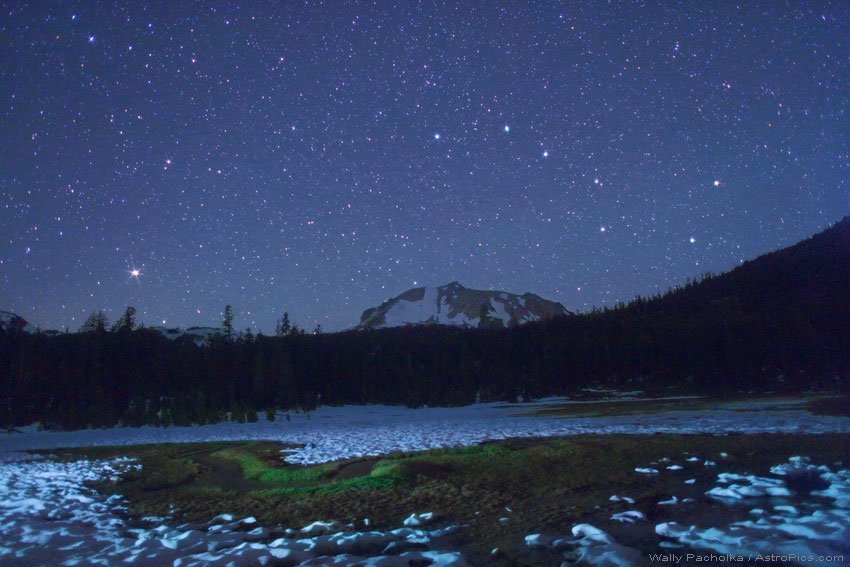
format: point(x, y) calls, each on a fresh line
point(777, 322)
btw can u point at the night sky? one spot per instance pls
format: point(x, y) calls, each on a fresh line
point(320, 158)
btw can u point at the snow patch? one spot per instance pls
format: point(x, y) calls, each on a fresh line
point(49, 516)
point(629, 517)
point(419, 519)
point(806, 529)
point(499, 311)
point(590, 546)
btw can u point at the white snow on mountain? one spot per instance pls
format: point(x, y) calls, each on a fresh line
point(454, 304)
point(11, 321)
point(431, 308)
point(200, 335)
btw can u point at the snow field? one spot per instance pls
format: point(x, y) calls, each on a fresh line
point(334, 433)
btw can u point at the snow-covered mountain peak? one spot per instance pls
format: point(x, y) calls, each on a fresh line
point(11, 321)
point(454, 304)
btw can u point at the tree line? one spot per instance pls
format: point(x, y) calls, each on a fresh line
point(775, 323)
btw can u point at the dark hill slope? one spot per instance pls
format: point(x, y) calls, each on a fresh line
point(780, 320)
point(810, 275)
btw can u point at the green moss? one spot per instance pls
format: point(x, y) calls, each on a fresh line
point(450, 456)
point(252, 466)
point(290, 480)
point(358, 483)
point(276, 472)
point(392, 470)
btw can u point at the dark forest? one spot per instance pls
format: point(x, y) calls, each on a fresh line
point(777, 323)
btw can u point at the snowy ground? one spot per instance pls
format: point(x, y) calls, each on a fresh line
point(789, 524)
point(332, 433)
point(49, 515)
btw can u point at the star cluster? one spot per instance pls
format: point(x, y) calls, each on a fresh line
point(318, 158)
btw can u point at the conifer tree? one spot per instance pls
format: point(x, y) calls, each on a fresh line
point(97, 321)
point(283, 326)
point(127, 322)
point(227, 323)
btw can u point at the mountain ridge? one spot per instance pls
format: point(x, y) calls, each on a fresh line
point(456, 305)
point(13, 322)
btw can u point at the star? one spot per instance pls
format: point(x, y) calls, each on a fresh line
point(692, 240)
point(437, 136)
point(507, 128)
point(91, 39)
point(135, 273)
point(717, 183)
point(545, 153)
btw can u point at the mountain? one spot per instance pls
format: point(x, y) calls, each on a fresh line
point(198, 334)
point(454, 304)
point(11, 321)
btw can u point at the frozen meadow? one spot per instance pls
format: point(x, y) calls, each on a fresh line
point(49, 514)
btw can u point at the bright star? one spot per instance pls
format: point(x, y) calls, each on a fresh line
point(135, 273)
point(437, 136)
point(545, 153)
point(601, 229)
point(717, 183)
point(507, 129)
point(692, 239)
point(91, 39)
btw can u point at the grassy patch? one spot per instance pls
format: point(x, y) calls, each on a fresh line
point(382, 476)
point(255, 467)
